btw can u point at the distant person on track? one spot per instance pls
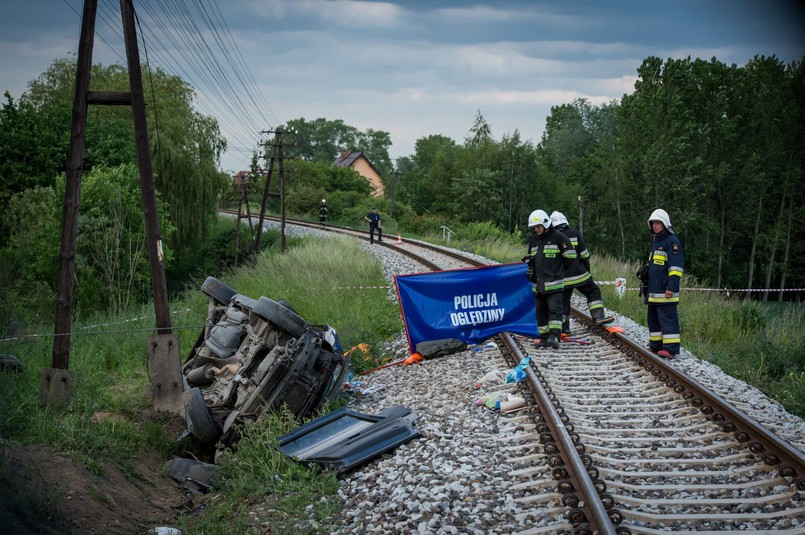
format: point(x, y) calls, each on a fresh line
point(550, 254)
point(578, 277)
point(323, 213)
point(375, 224)
point(666, 264)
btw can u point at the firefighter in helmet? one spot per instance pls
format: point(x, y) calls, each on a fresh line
point(578, 277)
point(666, 264)
point(550, 253)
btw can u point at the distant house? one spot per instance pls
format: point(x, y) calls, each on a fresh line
point(240, 177)
point(360, 163)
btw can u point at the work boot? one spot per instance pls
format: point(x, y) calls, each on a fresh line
point(553, 342)
point(541, 343)
point(598, 317)
point(665, 354)
point(566, 325)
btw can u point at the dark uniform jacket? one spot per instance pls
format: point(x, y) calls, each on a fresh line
point(551, 254)
point(666, 264)
point(374, 219)
point(579, 272)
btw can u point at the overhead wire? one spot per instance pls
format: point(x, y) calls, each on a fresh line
point(187, 38)
point(209, 106)
point(198, 46)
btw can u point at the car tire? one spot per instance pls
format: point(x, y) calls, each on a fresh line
point(283, 317)
point(198, 418)
point(217, 290)
point(286, 304)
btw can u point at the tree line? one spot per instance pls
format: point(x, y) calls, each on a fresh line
point(720, 147)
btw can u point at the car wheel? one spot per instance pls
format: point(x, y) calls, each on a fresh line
point(217, 290)
point(281, 316)
point(198, 417)
point(286, 304)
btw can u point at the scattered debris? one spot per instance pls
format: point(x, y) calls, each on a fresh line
point(432, 349)
point(345, 439)
point(10, 363)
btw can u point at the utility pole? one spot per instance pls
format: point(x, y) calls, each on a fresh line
point(394, 193)
point(164, 347)
point(278, 155)
point(243, 198)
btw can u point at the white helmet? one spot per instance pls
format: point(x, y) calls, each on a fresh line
point(662, 216)
point(323, 201)
point(539, 217)
point(558, 219)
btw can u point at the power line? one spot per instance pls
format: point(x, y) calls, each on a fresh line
point(192, 40)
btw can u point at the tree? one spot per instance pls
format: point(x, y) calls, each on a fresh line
point(186, 145)
point(33, 149)
point(321, 140)
point(112, 239)
point(428, 187)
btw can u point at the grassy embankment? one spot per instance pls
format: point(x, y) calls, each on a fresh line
point(324, 281)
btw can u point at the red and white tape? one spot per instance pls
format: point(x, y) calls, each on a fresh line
point(617, 283)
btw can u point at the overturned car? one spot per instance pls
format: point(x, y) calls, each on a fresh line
point(253, 356)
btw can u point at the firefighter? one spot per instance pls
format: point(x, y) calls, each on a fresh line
point(550, 253)
point(323, 213)
point(578, 277)
point(666, 264)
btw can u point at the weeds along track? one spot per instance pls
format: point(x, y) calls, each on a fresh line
point(612, 440)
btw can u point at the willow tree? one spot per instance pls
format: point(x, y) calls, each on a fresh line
point(186, 146)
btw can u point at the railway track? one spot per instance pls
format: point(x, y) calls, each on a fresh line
point(612, 440)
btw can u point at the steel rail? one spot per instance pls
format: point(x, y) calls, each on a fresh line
point(759, 439)
point(593, 508)
point(350, 231)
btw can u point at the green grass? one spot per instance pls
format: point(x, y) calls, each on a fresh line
point(329, 281)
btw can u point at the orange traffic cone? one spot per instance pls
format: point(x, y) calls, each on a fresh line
point(399, 238)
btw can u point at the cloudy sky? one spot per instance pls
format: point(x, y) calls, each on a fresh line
point(412, 68)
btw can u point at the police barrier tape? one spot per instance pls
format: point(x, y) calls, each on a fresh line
point(616, 283)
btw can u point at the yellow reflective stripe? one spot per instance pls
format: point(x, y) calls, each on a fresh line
point(675, 272)
point(663, 299)
point(592, 305)
point(576, 279)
